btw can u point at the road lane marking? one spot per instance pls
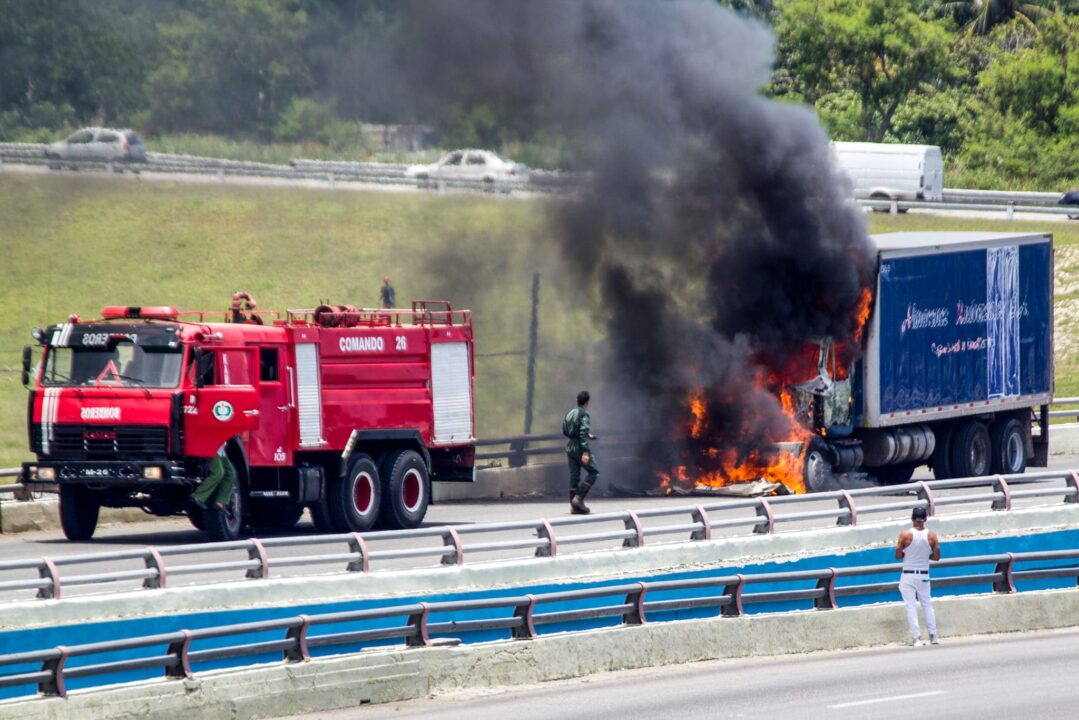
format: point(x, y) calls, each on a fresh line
point(887, 699)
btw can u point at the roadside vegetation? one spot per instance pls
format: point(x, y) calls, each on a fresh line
point(74, 244)
point(993, 83)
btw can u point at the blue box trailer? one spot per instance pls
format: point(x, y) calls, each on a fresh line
point(956, 369)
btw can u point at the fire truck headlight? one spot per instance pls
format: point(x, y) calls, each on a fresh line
point(151, 473)
point(46, 473)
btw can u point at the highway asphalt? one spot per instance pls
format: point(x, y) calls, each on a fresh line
point(1028, 675)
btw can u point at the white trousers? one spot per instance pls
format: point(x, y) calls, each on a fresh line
point(916, 589)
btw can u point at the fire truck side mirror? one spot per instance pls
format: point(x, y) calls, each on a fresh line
point(27, 360)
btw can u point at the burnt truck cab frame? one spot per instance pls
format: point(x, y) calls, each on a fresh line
point(312, 408)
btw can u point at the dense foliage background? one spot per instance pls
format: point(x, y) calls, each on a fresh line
point(993, 82)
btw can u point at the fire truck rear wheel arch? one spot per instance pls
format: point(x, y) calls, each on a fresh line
point(406, 490)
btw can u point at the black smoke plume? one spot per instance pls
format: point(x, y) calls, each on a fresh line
point(712, 221)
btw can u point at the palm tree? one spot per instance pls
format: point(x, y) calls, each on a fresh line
point(978, 17)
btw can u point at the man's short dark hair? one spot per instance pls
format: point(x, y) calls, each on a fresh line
point(919, 513)
point(583, 397)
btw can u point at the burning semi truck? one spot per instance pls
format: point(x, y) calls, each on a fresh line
point(351, 413)
point(955, 368)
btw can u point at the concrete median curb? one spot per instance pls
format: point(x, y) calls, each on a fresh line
point(398, 674)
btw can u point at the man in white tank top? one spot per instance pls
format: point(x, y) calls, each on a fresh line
point(916, 547)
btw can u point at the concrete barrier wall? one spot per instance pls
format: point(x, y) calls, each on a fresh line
point(399, 674)
point(600, 565)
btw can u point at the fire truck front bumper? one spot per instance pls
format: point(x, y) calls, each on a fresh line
point(117, 473)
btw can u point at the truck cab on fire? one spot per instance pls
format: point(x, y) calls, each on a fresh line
point(351, 413)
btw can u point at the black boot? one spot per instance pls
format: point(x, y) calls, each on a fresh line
point(577, 501)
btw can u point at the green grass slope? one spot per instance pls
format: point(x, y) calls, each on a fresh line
point(74, 244)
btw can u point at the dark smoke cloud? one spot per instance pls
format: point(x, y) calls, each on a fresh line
point(713, 222)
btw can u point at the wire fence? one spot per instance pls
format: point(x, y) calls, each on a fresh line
point(522, 618)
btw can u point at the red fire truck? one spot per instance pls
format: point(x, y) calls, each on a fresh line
point(349, 412)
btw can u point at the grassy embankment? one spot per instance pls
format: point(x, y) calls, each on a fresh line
point(70, 244)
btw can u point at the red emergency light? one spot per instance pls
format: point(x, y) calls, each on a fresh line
point(134, 312)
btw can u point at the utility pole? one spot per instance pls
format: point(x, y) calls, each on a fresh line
point(533, 332)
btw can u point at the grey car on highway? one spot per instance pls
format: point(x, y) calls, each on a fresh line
point(100, 144)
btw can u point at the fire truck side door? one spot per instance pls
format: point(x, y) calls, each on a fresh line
point(221, 400)
point(271, 444)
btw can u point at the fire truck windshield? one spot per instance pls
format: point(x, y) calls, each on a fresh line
point(122, 365)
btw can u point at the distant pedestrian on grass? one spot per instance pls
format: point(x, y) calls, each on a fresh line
point(916, 547)
point(389, 296)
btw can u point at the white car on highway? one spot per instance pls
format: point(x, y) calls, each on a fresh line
point(100, 144)
point(478, 165)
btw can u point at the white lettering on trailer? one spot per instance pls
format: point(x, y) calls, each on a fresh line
point(100, 413)
point(362, 344)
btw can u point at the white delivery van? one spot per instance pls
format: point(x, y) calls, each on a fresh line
point(886, 171)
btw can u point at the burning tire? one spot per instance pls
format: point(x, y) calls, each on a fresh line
point(971, 450)
point(79, 508)
point(353, 501)
point(1009, 447)
point(405, 489)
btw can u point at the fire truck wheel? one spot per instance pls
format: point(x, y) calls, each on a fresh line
point(354, 501)
point(405, 489)
point(79, 507)
point(227, 524)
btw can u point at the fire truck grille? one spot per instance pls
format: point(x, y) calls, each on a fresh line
point(103, 442)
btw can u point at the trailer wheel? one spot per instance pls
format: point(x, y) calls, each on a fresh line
point(406, 490)
point(354, 501)
point(971, 450)
point(941, 460)
point(1009, 447)
point(227, 524)
point(79, 507)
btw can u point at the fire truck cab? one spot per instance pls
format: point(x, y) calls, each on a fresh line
point(351, 413)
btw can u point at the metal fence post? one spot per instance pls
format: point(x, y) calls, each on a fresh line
point(533, 339)
point(846, 502)
point(517, 457)
point(926, 494)
point(700, 515)
point(450, 538)
point(1072, 481)
point(893, 209)
point(154, 561)
point(1000, 485)
point(636, 599)
point(298, 633)
point(1011, 210)
point(49, 570)
point(527, 629)
point(828, 601)
point(545, 531)
point(257, 551)
point(1005, 584)
point(418, 620)
point(632, 522)
point(357, 544)
point(734, 607)
point(180, 648)
point(54, 685)
point(764, 509)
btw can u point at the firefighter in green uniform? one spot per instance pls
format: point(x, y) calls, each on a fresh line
point(218, 485)
point(577, 427)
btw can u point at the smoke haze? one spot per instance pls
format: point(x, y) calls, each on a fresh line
point(712, 224)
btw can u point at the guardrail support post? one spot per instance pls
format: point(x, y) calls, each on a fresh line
point(527, 629)
point(419, 621)
point(1011, 210)
point(450, 538)
point(330, 178)
point(298, 633)
point(55, 667)
point(893, 208)
point(734, 607)
point(700, 515)
point(764, 509)
point(636, 599)
point(828, 601)
point(925, 493)
point(180, 648)
point(1005, 584)
point(517, 457)
point(1072, 481)
point(1000, 485)
point(154, 561)
point(357, 544)
point(257, 551)
point(221, 175)
point(632, 522)
point(846, 502)
point(49, 570)
point(545, 531)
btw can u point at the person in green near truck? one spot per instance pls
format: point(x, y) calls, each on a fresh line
point(577, 426)
point(217, 487)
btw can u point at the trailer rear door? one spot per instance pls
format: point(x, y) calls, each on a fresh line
point(451, 390)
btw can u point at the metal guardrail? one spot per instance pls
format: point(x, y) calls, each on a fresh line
point(1007, 207)
point(636, 603)
point(357, 552)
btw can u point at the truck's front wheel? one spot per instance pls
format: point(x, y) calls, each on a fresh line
point(225, 524)
point(405, 490)
point(79, 507)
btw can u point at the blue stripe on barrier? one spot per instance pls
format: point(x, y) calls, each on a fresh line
point(47, 637)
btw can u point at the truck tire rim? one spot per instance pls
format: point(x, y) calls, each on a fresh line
point(412, 490)
point(979, 455)
point(1014, 450)
point(232, 518)
point(814, 464)
point(363, 493)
